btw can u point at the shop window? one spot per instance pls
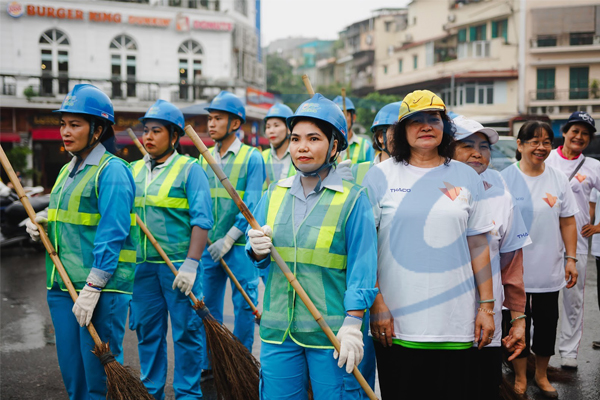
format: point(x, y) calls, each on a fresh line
point(123, 51)
point(190, 69)
point(54, 63)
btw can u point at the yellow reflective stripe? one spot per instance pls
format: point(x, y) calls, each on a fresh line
point(331, 219)
point(275, 204)
point(165, 202)
point(79, 218)
point(137, 167)
point(355, 152)
point(237, 166)
point(172, 175)
point(362, 170)
point(128, 256)
point(222, 192)
point(319, 257)
point(75, 198)
point(64, 171)
point(138, 202)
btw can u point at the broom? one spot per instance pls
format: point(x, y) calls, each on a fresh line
point(120, 382)
point(274, 254)
point(136, 141)
point(236, 371)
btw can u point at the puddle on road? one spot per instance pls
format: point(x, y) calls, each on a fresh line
point(28, 333)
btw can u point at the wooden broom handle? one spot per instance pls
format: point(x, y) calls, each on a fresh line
point(308, 85)
point(44, 236)
point(137, 142)
point(278, 259)
point(344, 102)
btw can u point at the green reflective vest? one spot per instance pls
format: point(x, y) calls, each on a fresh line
point(267, 156)
point(360, 170)
point(357, 152)
point(163, 206)
point(73, 219)
point(224, 208)
point(316, 254)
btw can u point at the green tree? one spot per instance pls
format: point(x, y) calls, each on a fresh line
point(18, 159)
point(280, 77)
point(367, 107)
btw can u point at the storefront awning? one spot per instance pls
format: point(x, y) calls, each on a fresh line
point(46, 134)
point(9, 137)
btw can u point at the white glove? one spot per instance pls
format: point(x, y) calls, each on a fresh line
point(32, 228)
point(260, 240)
point(351, 344)
point(219, 248)
point(85, 304)
point(186, 276)
point(344, 170)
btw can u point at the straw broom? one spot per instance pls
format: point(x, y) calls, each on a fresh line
point(235, 369)
point(121, 384)
point(274, 253)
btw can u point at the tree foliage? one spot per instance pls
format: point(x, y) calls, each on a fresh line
point(367, 107)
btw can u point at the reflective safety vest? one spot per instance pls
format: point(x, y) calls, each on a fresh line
point(163, 206)
point(73, 219)
point(317, 255)
point(267, 157)
point(224, 208)
point(357, 152)
point(360, 170)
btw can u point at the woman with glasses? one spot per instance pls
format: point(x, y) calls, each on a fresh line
point(548, 206)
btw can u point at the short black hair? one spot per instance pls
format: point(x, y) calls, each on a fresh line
point(402, 149)
point(530, 130)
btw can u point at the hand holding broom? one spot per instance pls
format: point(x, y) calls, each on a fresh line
point(278, 259)
point(121, 384)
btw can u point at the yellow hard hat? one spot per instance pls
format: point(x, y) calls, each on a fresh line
point(420, 100)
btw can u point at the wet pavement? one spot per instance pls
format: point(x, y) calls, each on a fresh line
point(29, 368)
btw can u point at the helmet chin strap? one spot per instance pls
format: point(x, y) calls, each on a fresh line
point(287, 138)
point(384, 148)
point(326, 164)
point(89, 144)
point(170, 149)
point(225, 136)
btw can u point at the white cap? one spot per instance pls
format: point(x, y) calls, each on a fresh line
point(467, 127)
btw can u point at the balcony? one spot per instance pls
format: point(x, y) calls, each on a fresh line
point(564, 95)
point(476, 49)
point(560, 103)
point(565, 43)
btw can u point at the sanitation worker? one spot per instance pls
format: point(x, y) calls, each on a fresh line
point(323, 228)
point(173, 200)
point(91, 225)
point(246, 171)
point(359, 150)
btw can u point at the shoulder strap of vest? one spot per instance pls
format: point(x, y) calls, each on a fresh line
point(276, 196)
point(266, 154)
point(203, 162)
point(106, 158)
point(61, 175)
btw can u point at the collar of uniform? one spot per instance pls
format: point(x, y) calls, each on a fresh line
point(354, 139)
point(332, 181)
point(92, 159)
point(274, 152)
point(234, 148)
point(377, 159)
point(167, 161)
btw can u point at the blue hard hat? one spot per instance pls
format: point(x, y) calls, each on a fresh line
point(228, 102)
point(325, 110)
point(388, 115)
point(339, 100)
point(279, 111)
point(165, 112)
point(88, 99)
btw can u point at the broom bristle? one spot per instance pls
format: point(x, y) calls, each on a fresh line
point(235, 370)
point(507, 391)
point(121, 383)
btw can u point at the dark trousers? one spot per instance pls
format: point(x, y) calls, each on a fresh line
point(487, 372)
point(424, 374)
point(542, 308)
point(598, 278)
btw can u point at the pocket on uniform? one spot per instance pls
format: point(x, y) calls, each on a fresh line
point(252, 292)
point(132, 322)
point(350, 382)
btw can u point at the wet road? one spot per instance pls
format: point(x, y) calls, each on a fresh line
point(29, 368)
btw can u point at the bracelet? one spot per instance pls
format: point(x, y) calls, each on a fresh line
point(572, 258)
point(486, 301)
point(354, 316)
point(485, 310)
point(517, 318)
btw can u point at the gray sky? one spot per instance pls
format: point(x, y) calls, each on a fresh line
point(320, 18)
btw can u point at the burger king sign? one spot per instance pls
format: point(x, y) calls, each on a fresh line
point(14, 9)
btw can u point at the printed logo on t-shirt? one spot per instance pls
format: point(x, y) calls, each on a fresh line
point(550, 200)
point(580, 177)
point(451, 191)
point(487, 185)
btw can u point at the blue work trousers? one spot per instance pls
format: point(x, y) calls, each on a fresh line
point(82, 372)
point(153, 300)
point(215, 281)
point(286, 367)
point(368, 364)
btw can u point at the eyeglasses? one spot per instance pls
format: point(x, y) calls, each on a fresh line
point(534, 143)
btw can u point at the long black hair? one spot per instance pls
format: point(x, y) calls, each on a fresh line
point(530, 130)
point(401, 151)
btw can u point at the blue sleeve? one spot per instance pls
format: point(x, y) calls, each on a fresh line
point(198, 194)
point(361, 244)
point(370, 155)
point(254, 185)
point(116, 190)
point(260, 214)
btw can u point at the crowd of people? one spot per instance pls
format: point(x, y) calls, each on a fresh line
point(424, 261)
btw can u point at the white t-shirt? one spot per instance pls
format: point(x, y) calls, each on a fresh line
point(542, 200)
point(595, 198)
point(424, 216)
point(508, 234)
point(587, 178)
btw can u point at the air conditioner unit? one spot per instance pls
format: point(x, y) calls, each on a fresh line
point(451, 17)
point(408, 37)
point(552, 109)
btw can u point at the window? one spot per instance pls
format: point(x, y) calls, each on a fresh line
point(545, 83)
point(500, 29)
point(241, 6)
point(546, 41)
point(462, 35)
point(55, 62)
point(477, 33)
point(578, 82)
point(123, 51)
point(415, 61)
point(388, 26)
point(385, 69)
point(473, 93)
point(581, 38)
point(190, 69)
point(400, 66)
